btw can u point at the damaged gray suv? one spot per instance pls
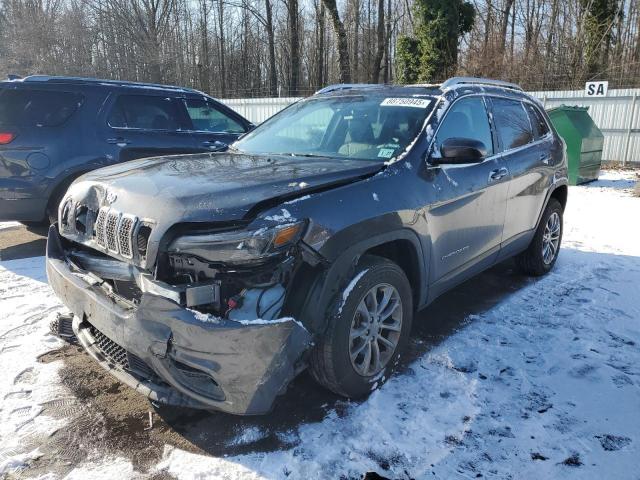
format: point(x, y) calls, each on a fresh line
point(212, 280)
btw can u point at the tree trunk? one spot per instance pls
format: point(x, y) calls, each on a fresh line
point(320, 57)
point(343, 45)
point(377, 62)
point(294, 47)
point(356, 40)
point(223, 68)
point(273, 74)
point(387, 61)
point(504, 23)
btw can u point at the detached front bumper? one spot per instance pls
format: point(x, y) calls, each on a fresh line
point(165, 352)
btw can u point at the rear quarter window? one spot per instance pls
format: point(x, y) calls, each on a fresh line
point(37, 108)
point(512, 123)
point(538, 122)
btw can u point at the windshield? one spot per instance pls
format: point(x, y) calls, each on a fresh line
point(372, 127)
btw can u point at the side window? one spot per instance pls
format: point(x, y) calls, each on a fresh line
point(467, 118)
point(538, 122)
point(512, 123)
point(37, 108)
point(144, 112)
point(205, 117)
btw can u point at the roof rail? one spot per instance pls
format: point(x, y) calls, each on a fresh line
point(86, 80)
point(423, 85)
point(346, 86)
point(455, 81)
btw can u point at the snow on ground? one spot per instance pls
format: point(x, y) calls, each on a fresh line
point(8, 225)
point(26, 386)
point(544, 385)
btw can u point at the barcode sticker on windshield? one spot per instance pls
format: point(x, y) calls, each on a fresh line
point(406, 102)
point(386, 152)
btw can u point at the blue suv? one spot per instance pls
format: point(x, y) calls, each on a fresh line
point(54, 129)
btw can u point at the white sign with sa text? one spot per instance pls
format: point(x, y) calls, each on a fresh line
point(596, 89)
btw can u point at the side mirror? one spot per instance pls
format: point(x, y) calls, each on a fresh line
point(461, 150)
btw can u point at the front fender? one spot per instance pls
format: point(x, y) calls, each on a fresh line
point(342, 252)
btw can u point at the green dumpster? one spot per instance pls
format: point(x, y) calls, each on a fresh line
point(584, 142)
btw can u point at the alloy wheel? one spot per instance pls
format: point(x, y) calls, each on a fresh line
point(551, 238)
point(375, 329)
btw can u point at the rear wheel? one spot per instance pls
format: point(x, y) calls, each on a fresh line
point(368, 330)
point(542, 253)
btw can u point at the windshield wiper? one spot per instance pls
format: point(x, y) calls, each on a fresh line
point(309, 155)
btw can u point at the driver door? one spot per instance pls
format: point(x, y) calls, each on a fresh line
point(467, 217)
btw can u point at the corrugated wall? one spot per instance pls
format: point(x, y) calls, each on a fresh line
point(616, 115)
point(259, 109)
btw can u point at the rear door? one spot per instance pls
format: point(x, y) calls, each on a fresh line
point(32, 126)
point(145, 125)
point(467, 218)
point(525, 148)
point(212, 125)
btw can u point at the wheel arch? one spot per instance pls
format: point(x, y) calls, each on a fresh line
point(560, 192)
point(322, 284)
point(62, 183)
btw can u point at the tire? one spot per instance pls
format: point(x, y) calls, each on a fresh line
point(331, 359)
point(533, 261)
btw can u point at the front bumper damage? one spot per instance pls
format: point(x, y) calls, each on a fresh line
point(172, 356)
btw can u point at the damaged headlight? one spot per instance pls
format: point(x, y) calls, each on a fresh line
point(239, 246)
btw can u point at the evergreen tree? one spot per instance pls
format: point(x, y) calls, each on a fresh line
point(433, 53)
point(600, 16)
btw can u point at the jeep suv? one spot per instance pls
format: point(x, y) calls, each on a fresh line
point(53, 129)
point(211, 280)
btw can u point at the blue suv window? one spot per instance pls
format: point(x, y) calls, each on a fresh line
point(145, 112)
point(37, 107)
point(205, 117)
point(512, 123)
point(466, 118)
point(537, 120)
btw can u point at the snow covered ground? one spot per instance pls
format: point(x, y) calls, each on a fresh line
point(545, 384)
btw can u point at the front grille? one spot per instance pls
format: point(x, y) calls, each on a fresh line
point(125, 230)
point(118, 355)
point(114, 232)
point(100, 224)
point(142, 240)
point(110, 231)
point(109, 348)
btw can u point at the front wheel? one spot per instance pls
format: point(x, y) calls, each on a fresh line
point(369, 328)
point(542, 253)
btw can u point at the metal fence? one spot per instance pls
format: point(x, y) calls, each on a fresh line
point(617, 115)
point(259, 109)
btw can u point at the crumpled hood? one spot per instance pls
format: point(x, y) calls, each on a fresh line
point(212, 186)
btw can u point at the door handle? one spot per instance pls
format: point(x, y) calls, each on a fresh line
point(544, 158)
point(497, 174)
point(118, 141)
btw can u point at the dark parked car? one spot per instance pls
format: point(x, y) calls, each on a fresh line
point(53, 129)
point(212, 280)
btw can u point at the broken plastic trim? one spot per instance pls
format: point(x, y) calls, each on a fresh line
point(251, 361)
point(100, 269)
